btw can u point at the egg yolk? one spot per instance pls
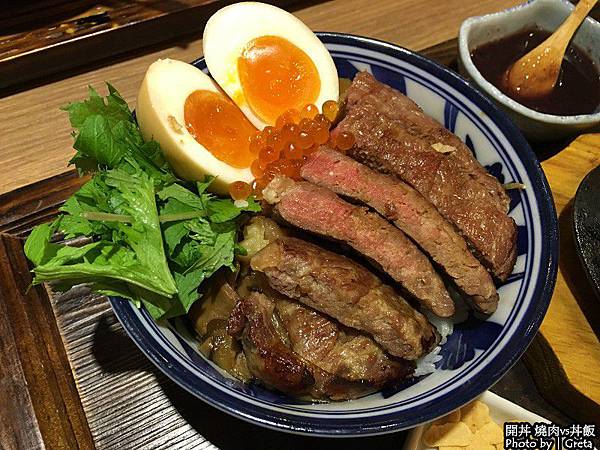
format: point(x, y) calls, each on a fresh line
point(276, 76)
point(218, 125)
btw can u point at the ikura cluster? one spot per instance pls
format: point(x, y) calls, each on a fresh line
point(282, 149)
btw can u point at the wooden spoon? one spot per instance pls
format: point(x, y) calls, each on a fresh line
point(535, 74)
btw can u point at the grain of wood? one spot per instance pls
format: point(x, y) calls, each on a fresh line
point(36, 140)
point(573, 307)
point(18, 425)
point(36, 144)
point(124, 396)
point(128, 403)
point(44, 401)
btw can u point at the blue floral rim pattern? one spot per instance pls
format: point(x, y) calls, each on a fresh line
point(478, 353)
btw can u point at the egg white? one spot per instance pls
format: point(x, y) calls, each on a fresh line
point(160, 114)
point(231, 28)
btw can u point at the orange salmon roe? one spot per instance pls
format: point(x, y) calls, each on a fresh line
point(268, 154)
point(276, 142)
point(292, 151)
point(320, 119)
point(330, 110)
point(256, 169)
point(289, 132)
point(321, 135)
point(296, 135)
point(290, 116)
point(344, 141)
point(257, 142)
point(240, 190)
point(268, 131)
point(304, 140)
point(306, 125)
point(311, 150)
point(257, 187)
point(309, 111)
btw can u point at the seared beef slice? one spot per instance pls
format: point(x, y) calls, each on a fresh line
point(393, 135)
point(321, 211)
point(412, 213)
point(297, 350)
point(357, 363)
point(268, 357)
point(341, 288)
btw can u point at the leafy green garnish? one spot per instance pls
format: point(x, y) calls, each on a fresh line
point(151, 237)
point(107, 136)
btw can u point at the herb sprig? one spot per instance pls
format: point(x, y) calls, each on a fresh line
point(153, 237)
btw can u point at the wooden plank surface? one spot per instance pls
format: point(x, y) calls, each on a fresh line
point(127, 402)
point(39, 396)
point(35, 144)
point(52, 38)
point(36, 141)
point(572, 324)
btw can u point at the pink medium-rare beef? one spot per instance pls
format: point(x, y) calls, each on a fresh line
point(319, 210)
point(409, 211)
point(393, 135)
point(343, 289)
point(351, 365)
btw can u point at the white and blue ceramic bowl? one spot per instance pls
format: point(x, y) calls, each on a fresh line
point(479, 352)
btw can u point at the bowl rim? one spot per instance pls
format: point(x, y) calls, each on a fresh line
point(385, 423)
point(497, 94)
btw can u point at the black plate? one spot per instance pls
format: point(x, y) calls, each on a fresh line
point(586, 226)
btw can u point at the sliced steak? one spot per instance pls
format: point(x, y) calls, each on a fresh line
point(409, 211)
point(393, 135)
point(321, 211)
point(339, 350)
point(272, 357)
point(343, 289)
point(267, 355)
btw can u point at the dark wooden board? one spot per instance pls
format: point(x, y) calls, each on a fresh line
point(41, 401)
point(73, 379)
point(72, 375)
point(38, 39)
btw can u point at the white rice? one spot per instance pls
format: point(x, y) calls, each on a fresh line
point(426, 364)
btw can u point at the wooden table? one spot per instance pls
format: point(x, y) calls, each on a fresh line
point(35, 144)
point(32, 124)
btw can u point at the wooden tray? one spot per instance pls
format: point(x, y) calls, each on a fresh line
point(38, 39)
point(71, 378)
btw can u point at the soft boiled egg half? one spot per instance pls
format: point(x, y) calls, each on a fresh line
point(267, 61)
point(200, 130)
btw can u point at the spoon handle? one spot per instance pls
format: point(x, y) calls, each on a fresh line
point(567, 29)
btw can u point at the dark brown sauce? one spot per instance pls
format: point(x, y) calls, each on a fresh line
point(577, 90)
